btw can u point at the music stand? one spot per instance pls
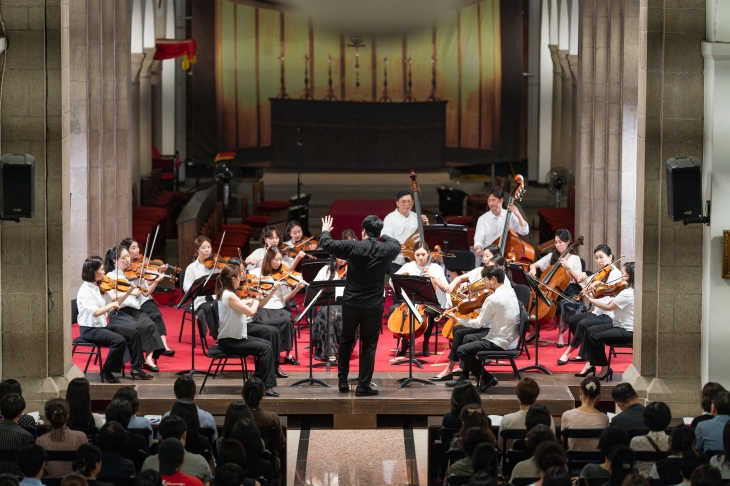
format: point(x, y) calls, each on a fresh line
point(202, 287)
point(520, 277)
point(319, 255)
point(312, 298)
point(451, 237)
point(421, 291)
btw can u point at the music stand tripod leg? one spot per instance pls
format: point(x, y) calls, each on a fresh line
point(537, 366)
point(192, 371)
point(311, 379)
point(407, 381)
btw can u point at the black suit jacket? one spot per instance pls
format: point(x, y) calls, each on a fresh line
point(137, 450)
point(632, 418)
point(113, 465)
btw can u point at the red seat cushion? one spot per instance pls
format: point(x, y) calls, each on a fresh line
point(257, 220)
point(272, 205)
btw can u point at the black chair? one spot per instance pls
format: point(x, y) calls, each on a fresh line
point(612, 349)
point(90, 431)
point(513, 457)
point(523, 481)
point(146, 433)
point(636, 432)
point(445, 436)
point(650, 456)
point(188, 315)
point(52, 481)
point(87, 348)
point(578, 459)
point(711, 454)
point(208, 433)
point(509, 354)
point(60, 456)
point(511, 434)
point(454, 480)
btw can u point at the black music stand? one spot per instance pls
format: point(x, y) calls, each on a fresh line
point(450, 237)
point(319, 255)
point(202, 287)
point(329, 298)
point(520, 277)
point(313, 297)
point(421, 292)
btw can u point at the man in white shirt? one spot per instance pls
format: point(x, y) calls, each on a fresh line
point(491, 224)
point(503, 309)
point(400, 224)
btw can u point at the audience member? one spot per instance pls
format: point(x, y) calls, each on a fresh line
point(148, 477)
point(547, 455)
point(722, 460)
point(113, 441)
point(536, 415)
point(691, 460)
point(556, 476)
point(708, 434)
point(472, 415)
point(232, 453)
point(13, 386)
point(681, 440)
point(536, 436)
point(706, 475)
point(253, 392)
point(78, 397)
point(120, 411)
point(130, 394)
point(463, 394)
point(482, 479)
point(527, 391)
point(623, 463)
point(635, 479)
point(12, 435)
point(586, 416)
point(88, 464)
point(233, 475)
point(174, 427)
point(32, 461)
point(236, 411)
point(613, 436)
point(60, 437)
point(632, 412)
point(74, 479)
point(657, 417)
point(468, 443)
point(185, 388)
point(485, 459)
point(172, 455)
point(196, 442)
point(247, 434)
point(708, 394)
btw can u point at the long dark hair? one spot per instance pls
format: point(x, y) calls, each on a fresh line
point(113, 254)
point(225, 280)
point(246, 432)
point(622, 463)
point(266, 268)
point(332, 268)
point(563, 235)
point(127, 242)
point(188, 411)
point(78, 397)
point(236, 411)
point(629, 267)
point(291, 225)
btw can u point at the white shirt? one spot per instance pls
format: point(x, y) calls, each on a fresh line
point(89, 300)
point(503, 309)
point(232, 323)
point(277, 300)
point(490, 227)
point(258, 254)
point(624, 316)
point(194, 271)
point(476, 274)
point(131, 300)
point(573, 263)
point(324, 274)
point(614, 277)
point(435, 270)
point(285, 258)
point(399, 227)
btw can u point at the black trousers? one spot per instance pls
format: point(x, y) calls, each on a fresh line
point(460, 333)
point(118, 339)
point(594, 350)
point(258, 347)
point(467, 353)
point(130, 317)
point(281, 320)
point(267, 333)
point(369, 320)
point(150, 308)
point(580, 323)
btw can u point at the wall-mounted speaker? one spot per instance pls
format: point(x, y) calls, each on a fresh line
point(684, 189)
point(17, 182)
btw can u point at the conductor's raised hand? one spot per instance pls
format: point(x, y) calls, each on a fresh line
point(327, 223)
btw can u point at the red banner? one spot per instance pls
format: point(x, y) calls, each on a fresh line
point(174, 48)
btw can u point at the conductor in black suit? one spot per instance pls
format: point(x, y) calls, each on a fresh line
point(362, 301)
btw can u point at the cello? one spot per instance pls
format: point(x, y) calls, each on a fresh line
point(513, 248)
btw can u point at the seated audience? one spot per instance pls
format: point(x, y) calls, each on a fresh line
point(612, 437)
point(75, 479)
point(196, 442)
point(708, 434)
point(113, 441)
point(120, 411)
point(172, 455)
point(88, 464)
point(232, 455)
point(13, 386)
point(527, 391)
point(708, 394)
point(657, 417)
point(174, 427)
point(722, 460)
point(550, 454)
point(537, 435)
point(185, 389)
point(8, 479)
point(486, 459)
point(586, 416)
point(32, 461)
point(482, 479)
point(635, 479)
point(236, 411)
point(78, 397)
point(537, 414)
point(622, 464)
point(253, 392)
point(247, 434)
point(130, 394)
point(681, 440)
point(691, 460)
point(556, 476)
point(60, 437)
point(12, 435)
point(463, 394)
point(632, 412)
point(472, 416)
point(148, 477)
point(468, 443)
point(706, 475)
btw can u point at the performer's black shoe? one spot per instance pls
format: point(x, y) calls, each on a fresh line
point(426, 351)
point(343, 386)
point(138, 373)
point(153, 369)
point(403, 349)
point(168, 352)
point(271, 393)
point(365, 391)
point(281, 374)
point(486, 386)
point(448, 377)
point(108, 377)
point(291, 360)
point(457, 381)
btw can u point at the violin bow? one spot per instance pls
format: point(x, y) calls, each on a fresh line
point(583, 292)
point(149, 257)
point(215, 262)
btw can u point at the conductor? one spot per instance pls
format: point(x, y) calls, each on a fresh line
point(362, 301)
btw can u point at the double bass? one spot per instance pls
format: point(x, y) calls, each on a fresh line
point(417, 235)
point(514, 248)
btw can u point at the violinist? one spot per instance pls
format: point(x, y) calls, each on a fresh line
point(129, 313)
point(233, 334)
point(572, 265)
point(93, 326)
point(295, 233)
point(270, 236)
point(325, 339)
point(148, 303)
point(490, 224)
point(400, 224)
point(197, 269)
point(274, 312)
point(619, 330)
point(579, 323)
point(433, 271)
point(473, 275)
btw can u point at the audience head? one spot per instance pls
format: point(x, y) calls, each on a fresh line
point(31, 459)
point(74, 479)
point(129, 394)
point(473, 437)
point(485, 459)
point(550, 454)
point(188, 411)
point(708, 393)
point(184, 388)
point(120, 411)
point(148, 477)
point(622, 463)
point(527, 391)
point(253, 391)
point(56, 411)
point(537, 414)
point(171, 453)
point(612, 436)
point(720, 404)
point(556, 476)
point(10, 386)
point(112, 437)
point(88, 461)
point(473, 415)
point(537, 435)
point(236, 411)
point(590, 390)
point(246, 432)
point(683, 439)
point(624, 395)
point(372, 226)
point(463, 395)
point(706, 475)
point(231, 451)
point(482, 478)
point(12, 406)
point(657, 416)
point(229, 474)
point(634, 479)
point(7, 479)
point(173, 427)
point(78, 397)
point(691, 460)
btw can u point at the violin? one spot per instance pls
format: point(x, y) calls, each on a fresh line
point(610, 290)
point(474, 302)
point(254, 281)
point(599, 276)
point(249, 293)
point(152, 265)
point(149, 275)
point(438, 255)
point(286, 276)
point(342, 272)
point(220, 263)
point(305, 244)
point(107, 284)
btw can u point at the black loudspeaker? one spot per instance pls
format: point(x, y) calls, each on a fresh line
point(17, 182)
point(684, 189)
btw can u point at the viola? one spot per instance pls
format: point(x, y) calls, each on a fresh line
point(438, 256)
point(514, 248)
point(447, 330)
point(610, 290)
point(306, 244)
point(219, 263)
point(152, 265)
point(249, 293)
point(107, 284)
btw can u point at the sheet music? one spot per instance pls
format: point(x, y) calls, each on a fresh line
point(339, 292)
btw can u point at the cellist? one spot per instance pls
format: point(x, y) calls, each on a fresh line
point(491, 223)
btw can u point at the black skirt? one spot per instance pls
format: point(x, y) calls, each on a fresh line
point(325, 338)
point(148, 333)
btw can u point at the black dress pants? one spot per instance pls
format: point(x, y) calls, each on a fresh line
point(150, 308)
point(281, 320)
point(579, 324)
point(118, 339)
point(460, 333)
point(253, 346)
point(594, 350)
point(136, 319)
point(267, 333)
point(369, 320)
point(467, 353)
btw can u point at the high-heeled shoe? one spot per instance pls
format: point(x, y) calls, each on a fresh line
point(291, 360)
point(607, 377)
point(587, 372)
point(151, 368)
point(561, 362)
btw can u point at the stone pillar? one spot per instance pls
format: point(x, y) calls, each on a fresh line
point(668, 308)
point(555, 150)
point(574, 147)
point(566, 113)
point(136, 67)
point(156, 90)
point(145, 113)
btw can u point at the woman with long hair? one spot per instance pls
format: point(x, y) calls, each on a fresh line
point(78, 398)
point(270, 237)
point(60, 437)
point(236, 411)
point(203, 251)
point(195, 442)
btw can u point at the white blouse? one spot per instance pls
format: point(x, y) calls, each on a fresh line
point(573, 263)
point(324, 274)
point(194, 271)
point(614, 277)
point(233, 324)
point(277, 300)
point(89, 300)
point(412, 268)
point(258, 254)
point(623, 317)
point(131, 300)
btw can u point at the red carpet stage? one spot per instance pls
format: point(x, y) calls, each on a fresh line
point(432, 364)
point(349, 213)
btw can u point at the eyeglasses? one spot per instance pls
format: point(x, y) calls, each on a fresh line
point(407, 202)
